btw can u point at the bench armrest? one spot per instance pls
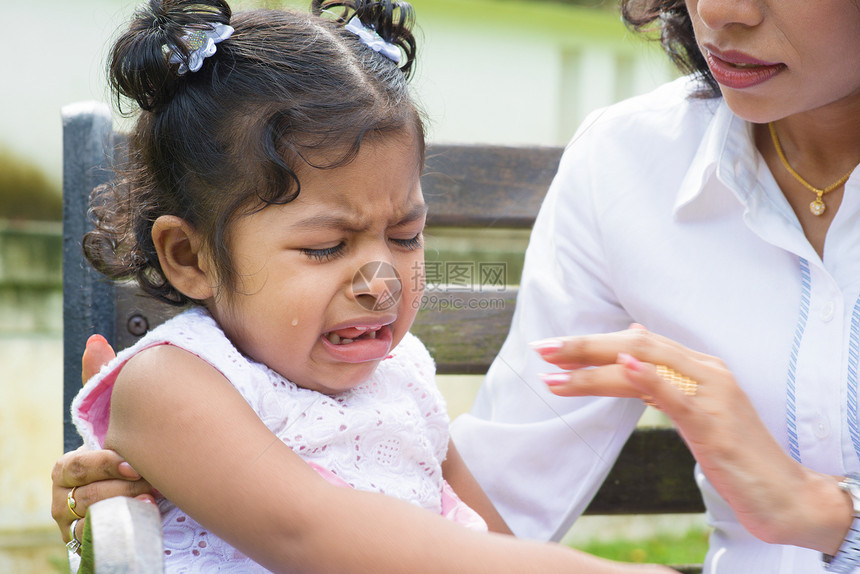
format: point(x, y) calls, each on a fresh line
point(124, 537)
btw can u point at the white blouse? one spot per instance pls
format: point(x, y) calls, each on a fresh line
point(664, 213)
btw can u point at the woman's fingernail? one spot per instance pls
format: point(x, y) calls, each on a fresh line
point(126, 470)
point(547, 346)
point(630, 362)
point(553, 379)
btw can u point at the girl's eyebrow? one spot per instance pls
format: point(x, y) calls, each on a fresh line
point(328, 221)
point(418, 211)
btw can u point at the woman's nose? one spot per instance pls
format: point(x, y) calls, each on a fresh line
point(719, 14)
point(377, 286)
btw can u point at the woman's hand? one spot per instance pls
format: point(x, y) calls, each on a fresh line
point(774, 497)
point(94, 475)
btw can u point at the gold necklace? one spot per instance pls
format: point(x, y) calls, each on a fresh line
point(817, 207)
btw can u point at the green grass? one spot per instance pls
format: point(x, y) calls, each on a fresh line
point(687, 548)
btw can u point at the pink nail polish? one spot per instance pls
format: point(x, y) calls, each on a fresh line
point(553, 379)
point(547, 346)
point(630, 362)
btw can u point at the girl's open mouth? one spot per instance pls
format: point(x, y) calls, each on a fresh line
point(350, 334)
point(358, 344)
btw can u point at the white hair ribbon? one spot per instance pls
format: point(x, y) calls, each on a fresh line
point(201, 45)
point(370, 38)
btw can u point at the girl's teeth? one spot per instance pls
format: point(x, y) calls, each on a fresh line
point(336, 339)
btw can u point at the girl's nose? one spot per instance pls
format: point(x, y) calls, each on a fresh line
point(377, 286)
point(719, 14)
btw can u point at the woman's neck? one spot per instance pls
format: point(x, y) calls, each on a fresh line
point(821, 146)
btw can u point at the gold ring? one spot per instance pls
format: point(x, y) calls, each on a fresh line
point(681, 382)
point(72, 503)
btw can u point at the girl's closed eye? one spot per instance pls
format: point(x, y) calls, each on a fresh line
point(325, 253)
point(329, 253)
point(411, 243)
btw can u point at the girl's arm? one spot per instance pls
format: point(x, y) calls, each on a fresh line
point(457, 474)
point(201, 445)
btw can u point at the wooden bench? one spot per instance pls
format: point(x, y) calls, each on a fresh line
point(478, 187)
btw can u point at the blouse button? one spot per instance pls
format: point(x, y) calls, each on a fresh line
point(827, 311)
point(822, 427)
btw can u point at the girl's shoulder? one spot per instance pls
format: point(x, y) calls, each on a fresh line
point(193, 331)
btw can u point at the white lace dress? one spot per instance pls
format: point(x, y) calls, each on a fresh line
point(388, 435)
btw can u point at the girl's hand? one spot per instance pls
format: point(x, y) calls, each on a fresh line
point(94, 475)
point(775, 498)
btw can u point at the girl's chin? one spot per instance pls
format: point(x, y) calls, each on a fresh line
point(342, 379)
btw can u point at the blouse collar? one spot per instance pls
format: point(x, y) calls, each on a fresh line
point(726, 159)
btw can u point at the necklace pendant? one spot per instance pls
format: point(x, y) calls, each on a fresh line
point(817, 207)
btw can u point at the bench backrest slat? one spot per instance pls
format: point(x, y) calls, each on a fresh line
point(487, 186)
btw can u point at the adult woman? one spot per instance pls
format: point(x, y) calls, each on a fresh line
point(677, 210)
point(684, 210)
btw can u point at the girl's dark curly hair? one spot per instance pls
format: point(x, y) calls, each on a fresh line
point(286, 89)
point(673, 21)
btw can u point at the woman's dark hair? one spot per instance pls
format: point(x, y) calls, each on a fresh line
point(285, 90)
point(676, 36)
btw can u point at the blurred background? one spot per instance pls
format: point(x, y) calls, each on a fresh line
point(489, 71)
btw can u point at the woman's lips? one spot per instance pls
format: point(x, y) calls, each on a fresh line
point(737, 70)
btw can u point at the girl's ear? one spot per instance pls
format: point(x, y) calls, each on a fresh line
point(182, 257)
